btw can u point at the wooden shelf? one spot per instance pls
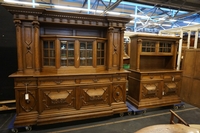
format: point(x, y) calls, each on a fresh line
point(7, 105)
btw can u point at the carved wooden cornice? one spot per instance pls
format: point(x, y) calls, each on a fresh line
point(51, 16)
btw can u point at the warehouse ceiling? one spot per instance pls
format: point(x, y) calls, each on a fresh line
point(148, 15)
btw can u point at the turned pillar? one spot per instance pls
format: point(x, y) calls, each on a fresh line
point(121, 48)
point(36, 45)
point(138, 54)
point(19, 45)
point(109, 48)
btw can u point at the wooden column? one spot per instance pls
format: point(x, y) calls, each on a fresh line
point(121, 48)
point(138, 55)
point(36, 46)
point(19, 45)
point(109, 48)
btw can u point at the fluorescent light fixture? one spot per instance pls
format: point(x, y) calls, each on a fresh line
point(114, 13)
point(161, 19)
point(172, 20)
point(134, 22)
point(21, 2)
point(167, 25)
point(139, 16)
point(70, 8)
point(76, 8)
point(98, 11)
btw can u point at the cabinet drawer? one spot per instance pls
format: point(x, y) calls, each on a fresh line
point(95, 79)
point(172, 76)
point(120, 77)
point(151, 76)
point(22, 82)
point(54, 81)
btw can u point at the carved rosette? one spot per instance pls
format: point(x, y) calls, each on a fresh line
point(118, 93)
point(29, 104)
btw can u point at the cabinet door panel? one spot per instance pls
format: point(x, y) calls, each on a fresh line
point(57, 98)
point(151, 89)
point(26, 100)
point(94, 95)
point(171, 88)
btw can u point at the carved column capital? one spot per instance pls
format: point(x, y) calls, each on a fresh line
point(110, 29)
point(139, 40)
point(18, 23)
point(123, 29)
point(35, 24)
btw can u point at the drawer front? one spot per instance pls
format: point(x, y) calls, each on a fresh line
point(151, 76)
point(23, 82)
point(94, 79)
point(119, 77)
point(172, 76)
point(53, 81)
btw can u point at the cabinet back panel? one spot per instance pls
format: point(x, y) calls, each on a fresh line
point(152, 62)
point(58, 31)
point(92, 33)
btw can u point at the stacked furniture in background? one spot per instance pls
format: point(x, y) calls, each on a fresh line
point(191, 77)
point(154, 80)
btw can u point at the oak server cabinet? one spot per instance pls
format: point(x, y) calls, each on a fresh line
point(70, 66)
point(153, 81)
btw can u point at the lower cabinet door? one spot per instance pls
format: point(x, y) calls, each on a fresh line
point(94, 95)
point(151, 89)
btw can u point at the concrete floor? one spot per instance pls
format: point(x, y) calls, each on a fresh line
point(111, 124)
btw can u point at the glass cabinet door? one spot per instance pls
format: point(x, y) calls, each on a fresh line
point(165, 47)
point(67, 53)
point(100, 53)
point(148, 46)
point(86, 54)
point(48, 53)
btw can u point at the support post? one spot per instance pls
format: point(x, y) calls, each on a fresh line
point(196, 39)
point(188, 41)
point(179, 50)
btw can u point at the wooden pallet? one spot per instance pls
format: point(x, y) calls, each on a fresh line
point(7, 105)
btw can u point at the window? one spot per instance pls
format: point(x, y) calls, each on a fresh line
point(86, 53)
point(49, 53)
point(100, 53)
point(67, 53)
